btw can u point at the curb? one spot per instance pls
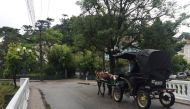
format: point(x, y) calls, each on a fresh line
point(180, 101)
point(47, 106)
point(88, 83)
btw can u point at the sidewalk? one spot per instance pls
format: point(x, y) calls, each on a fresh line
point(185, 102)
point(35, 99)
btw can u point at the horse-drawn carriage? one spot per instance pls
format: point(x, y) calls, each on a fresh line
point(146, 79)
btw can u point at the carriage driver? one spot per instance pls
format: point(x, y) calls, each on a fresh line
point(133, 70)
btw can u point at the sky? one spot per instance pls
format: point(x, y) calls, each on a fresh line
point(14, 13)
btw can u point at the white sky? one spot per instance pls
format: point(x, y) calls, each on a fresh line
point(13, 13)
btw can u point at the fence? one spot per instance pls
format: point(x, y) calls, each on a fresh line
point(20, 99)
point(182, 89)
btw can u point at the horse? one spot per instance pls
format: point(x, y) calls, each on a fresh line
point(102, 78)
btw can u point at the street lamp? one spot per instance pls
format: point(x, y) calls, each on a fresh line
point(24, 48)
point(18, 50)
point(24, 57)
point(30, 51)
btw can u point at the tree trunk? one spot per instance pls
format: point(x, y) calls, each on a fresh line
point(103, 60)
point(66, 75)
point(14, 80)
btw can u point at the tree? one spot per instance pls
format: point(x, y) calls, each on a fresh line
point(14, 61)
point(160, 36)
point(51, 36)
point(179, 64)
point(108, 23)
point(66, 30)
point(10, 35)
point(28, 29)
point(60, 57)
point(87, 61)
point(49, 20)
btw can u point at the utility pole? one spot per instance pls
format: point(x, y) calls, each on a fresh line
point(41, 24)
point(64, 28)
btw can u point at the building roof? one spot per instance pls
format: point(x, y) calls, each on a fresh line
point(184, 35)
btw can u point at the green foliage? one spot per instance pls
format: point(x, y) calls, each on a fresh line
point(102, 24)
point(6, 88)
point(93, 31)
point(66, 30)
point(179, 64)
point(10, 35)
point(12, 63)
point(61, 58)
point(52, 36)
point(121, 23)
point(88, 61)
point(105, 23)
point(13, 60)
point(159, 36)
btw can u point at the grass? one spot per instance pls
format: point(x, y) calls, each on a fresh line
point(7, 90)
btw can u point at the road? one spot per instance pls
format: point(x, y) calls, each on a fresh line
point(72, 95)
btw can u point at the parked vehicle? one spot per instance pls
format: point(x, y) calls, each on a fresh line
point(172, 76)
point(181, 75)
point(146, 80)
point(187, 72)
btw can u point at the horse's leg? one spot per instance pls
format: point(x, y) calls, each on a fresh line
point(99, 85)
point(109, 89)
point(103, 89)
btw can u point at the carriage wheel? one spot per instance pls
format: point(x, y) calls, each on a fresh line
point(117, 94)
point(135, 97)
point(143, 100)
point(167, 99)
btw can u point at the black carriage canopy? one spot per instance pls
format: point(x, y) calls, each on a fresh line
point(154, 63)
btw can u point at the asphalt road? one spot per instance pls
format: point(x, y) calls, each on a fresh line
point(72, 95)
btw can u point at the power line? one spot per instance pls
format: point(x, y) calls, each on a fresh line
point(29, 17)
point(48, 8)
point(31, 12)
point(41, 9)
point(32, 5)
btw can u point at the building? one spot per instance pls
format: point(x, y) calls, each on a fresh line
point(1, 40)
point(186, 49)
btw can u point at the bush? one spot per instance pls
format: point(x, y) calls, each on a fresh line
point(179, 64)
point(60, 61)
point(14, 62)
point(7, 90)
point(87, 61)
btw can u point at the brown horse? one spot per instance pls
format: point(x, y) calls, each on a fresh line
point(103, 78)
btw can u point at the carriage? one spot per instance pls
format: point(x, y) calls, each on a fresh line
point(146, 80)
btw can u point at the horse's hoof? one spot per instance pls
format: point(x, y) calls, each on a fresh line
point(102, 95)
